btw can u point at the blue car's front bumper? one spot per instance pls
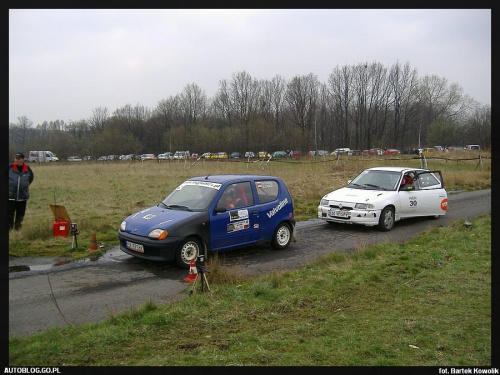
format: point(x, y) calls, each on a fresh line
point(161, 250)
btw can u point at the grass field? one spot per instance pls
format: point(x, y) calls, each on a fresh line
point(99, 195)
point(426, 302)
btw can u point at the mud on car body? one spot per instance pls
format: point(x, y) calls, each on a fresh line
point(381, 196)
point(208, 214)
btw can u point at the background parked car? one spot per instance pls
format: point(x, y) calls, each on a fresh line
point(165, 155)
point(318, 153)
point(263, 155)
point(74, 158)
point(391, 151)
point(340, 151)
point(354, 152)
point(148, 157)
point(249, 154)
point(373, 151)
point(295, 154)
point(279, 154)
point(235, 155)
point(221, 155)
point(207, 155)
point(473, 147)
point(411, 151)
point(181, 155)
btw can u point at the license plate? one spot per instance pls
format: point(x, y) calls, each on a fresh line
point(343, 214)
point(135, 246)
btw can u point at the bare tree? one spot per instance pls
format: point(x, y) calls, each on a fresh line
point(404, 83)
point(167, 112)
point(193, 104)
point(221, 103)
point(18, 133)
point(340, 85)
point(272, 100)
point(301, 97)
point(244, 94)
point(98, 119)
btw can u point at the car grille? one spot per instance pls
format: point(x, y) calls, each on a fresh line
point(341, 207)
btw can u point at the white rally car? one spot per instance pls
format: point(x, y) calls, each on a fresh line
point(381, 196)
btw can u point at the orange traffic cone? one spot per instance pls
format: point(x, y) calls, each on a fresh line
point(193, 272)
point(93, 243)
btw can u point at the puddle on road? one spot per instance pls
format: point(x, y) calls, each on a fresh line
point(113, 254)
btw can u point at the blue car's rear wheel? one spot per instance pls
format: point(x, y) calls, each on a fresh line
point(282, 236)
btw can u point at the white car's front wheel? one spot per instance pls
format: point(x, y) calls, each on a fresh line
point(386, 221)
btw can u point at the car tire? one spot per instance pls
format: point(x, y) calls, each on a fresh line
point(282, 236)
point(386, 221)
point(188, 250)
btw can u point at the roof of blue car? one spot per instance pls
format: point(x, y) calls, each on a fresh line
point(221, 178)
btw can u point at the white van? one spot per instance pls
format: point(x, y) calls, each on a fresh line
point(42, 156)
point(181, 155)
point(473, 147)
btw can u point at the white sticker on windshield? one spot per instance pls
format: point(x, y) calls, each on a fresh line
point(212, 185)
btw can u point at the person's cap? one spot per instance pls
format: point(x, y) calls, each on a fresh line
point(19, 155)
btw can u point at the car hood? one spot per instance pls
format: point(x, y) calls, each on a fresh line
point(143, 222)
point(356, 195)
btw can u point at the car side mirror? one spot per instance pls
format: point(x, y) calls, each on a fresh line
point(220, 209)
point(408, 187)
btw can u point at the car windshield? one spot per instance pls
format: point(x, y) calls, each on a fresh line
point(375, 180)
point(192, 196)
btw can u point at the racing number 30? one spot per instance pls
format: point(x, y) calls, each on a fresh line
point(413, 203)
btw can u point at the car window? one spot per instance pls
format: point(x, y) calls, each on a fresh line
point(375, 180)
point(236, 196)
point(192, 195)
point(267, 190)
point(428, 181)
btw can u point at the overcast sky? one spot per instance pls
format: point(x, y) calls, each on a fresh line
point(65, 63)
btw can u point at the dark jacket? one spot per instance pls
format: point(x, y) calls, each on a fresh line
point(20, 179)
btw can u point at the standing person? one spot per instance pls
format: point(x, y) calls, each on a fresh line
point(20, 178)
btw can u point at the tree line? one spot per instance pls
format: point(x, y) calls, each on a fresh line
point(360, 106)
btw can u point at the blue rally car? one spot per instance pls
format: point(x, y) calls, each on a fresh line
point(208, 214)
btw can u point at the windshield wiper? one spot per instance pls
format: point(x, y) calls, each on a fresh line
point(177, 206)
point(375, 186)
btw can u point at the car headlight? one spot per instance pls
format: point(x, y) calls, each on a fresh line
point(123, 226)
point(158, 234)
point(324, 202)
point(364, 206)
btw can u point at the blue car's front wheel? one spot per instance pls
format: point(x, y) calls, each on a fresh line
point(188, 250)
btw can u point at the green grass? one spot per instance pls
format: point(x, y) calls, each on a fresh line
point(425, 302)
